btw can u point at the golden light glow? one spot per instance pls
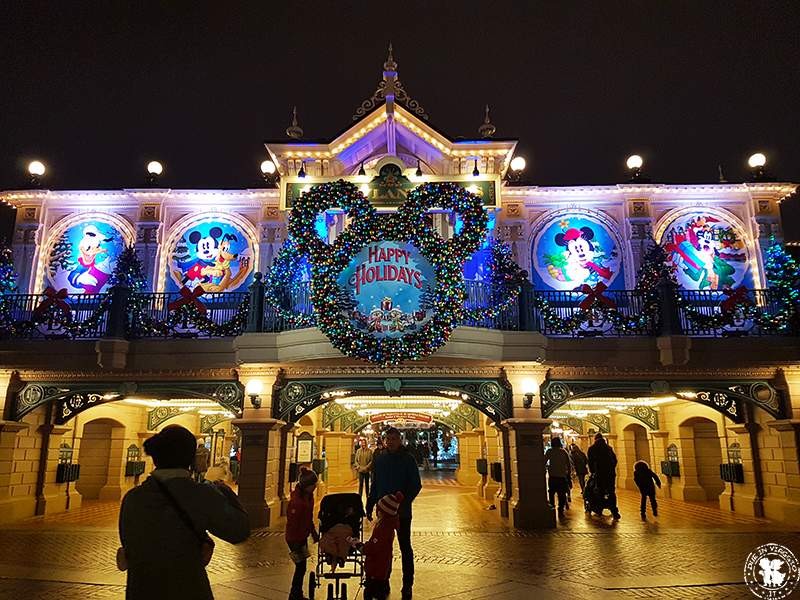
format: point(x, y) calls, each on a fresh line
point(518, 164)
point(254, 387)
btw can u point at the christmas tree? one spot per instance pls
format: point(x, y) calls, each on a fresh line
point(61, 256)
point(181, 253)
point(129, 270)
point(783, 273)
point(8, 274)
point(655, 267)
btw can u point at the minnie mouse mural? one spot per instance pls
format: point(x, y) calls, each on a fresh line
point(573, 250)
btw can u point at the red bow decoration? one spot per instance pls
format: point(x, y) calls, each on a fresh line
point(595, 295)
point(53, 297)
point(734, 298)
point(189, 297)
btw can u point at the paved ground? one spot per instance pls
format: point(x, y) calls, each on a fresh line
point(463, 551)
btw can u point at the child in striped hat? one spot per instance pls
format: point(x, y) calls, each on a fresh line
point(378, 550)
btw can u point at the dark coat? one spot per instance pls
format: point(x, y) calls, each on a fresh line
point(603, 463)
point(395, 472)
point(579, 461)
point(646, 481)
point(163, 554)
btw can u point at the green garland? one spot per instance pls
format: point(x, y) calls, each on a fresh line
point(408, 224)
point(281, 280)
point(188, 315)
point(60, 320)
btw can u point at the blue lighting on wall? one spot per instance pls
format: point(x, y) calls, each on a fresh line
point(321, 226)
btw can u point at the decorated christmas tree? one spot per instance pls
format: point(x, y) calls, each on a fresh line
point(61, 256)
point(655, 267)
point(8, 274)
point(129, 270)
point(783, 273)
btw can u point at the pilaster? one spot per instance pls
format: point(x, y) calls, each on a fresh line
point(54, 497)
point(469, 451)
point(784, 506)
point(528, 508)
point(12, 508)
point(744, 497)
point(339, 454)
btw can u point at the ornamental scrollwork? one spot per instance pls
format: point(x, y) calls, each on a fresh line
point(645, 414)
point(161, 414)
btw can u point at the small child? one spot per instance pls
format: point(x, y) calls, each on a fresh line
point(335, 544)
point(378, 549)
point(299, 525)
point(644, 478)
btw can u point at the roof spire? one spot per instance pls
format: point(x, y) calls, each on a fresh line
point(487, 129)
point(294, 130)
point(390, 65)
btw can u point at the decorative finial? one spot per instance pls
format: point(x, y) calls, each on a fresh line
point(390, 65)
point(487, 129)
point(294, 130)
point(721, 175)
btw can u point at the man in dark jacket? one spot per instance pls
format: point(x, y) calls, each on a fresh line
point(603, 464)
point(579, 461)
point(395, 470)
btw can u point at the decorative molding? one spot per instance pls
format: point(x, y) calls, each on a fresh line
point(645, 414)
point(30, 375)
point(401, 371)
point(161, 414)
point(207, 422)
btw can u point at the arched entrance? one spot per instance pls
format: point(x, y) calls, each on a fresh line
point(702, 451)
point(102, 460)
point(634, 446)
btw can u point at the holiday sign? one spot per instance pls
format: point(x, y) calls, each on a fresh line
point(400, 416)
point(388, 289)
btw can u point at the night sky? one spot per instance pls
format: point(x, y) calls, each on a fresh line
point(97, 89)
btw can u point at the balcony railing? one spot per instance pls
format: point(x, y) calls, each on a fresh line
point(124, 314)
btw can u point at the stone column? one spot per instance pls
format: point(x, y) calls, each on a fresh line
point(115, 482)
point(339, 453)
point(469, 451)
point(12, 508)
point(743, 497)
point(491, 487)
point(505, 493)
point(287, 455)
point(782, 499)
point(528, 508)
point(258, 471)
point(52, 497)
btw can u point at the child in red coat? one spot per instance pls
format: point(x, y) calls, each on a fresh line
point(378, 549)
point(299, 525)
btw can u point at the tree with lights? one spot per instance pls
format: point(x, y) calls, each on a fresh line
point(129, 270)
point(655, 267)
point(61, 256)
point(8, 274)
point(783, 273)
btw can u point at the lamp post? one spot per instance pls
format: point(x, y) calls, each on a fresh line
point(154, 170)
point(270, 173)
point(757, 162)
point(514, 173)
point(634, 164)
point(36, 170)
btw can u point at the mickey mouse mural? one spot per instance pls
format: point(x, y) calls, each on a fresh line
point(82, 257)
point(573, 249)
point(214, 253)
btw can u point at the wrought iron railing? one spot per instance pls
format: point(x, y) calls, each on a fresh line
point(122, 313)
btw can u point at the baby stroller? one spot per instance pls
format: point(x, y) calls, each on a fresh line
point(338, 509)
point(595, 500)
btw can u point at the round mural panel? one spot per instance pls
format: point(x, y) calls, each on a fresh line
point(215, 254)
point(82, 258)
point(707, 252)
point(574, 249)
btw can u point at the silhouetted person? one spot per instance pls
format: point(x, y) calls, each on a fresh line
point(580, 463)
point(300, 525)
point(163, 523)
point(603, 464)
point(396, 470)
point(559, 469)
point(646, 480)
point(363, 464)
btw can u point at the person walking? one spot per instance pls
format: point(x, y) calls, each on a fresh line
point(580, 463)
point(201, 460)
point(603, 465)
point(163, 523)
point(300, 525)
point(395, 470)
point(646, 480)
point(559, 470)
point(363, 464)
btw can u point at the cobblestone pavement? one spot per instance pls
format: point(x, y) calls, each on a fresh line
point(462, 551)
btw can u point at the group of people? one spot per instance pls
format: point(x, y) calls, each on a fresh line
point(600, 461)
point(390, 476)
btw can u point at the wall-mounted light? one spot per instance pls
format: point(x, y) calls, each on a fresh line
point(514, 173)
point(254, 389)
point(475, 171)
point(529, 388)
point(36, 170)
point(757, 162)
point(154, 170)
